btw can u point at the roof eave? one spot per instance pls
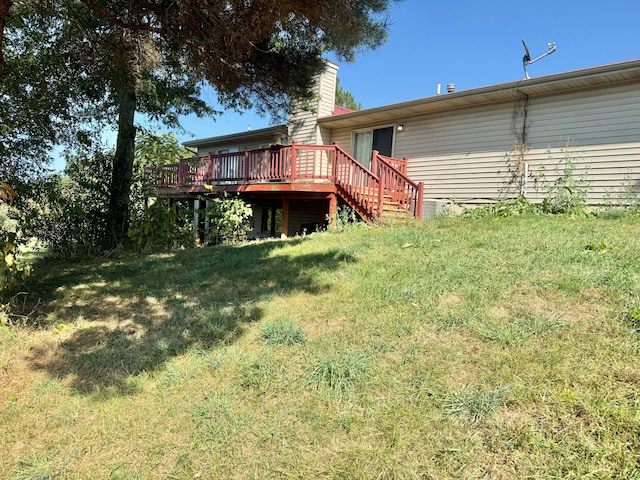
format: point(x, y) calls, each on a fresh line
point(242, 136)
point(601, 75)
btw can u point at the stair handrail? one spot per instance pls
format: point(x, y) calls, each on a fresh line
point(360, 186)
point(397, 184)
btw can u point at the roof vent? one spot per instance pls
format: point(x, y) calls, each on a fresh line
point(451, 88)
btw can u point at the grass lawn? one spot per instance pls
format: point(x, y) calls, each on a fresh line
point(458, 348)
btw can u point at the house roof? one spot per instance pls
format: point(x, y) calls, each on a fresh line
point(242, 137)
point(548, 84)
point(340, 110)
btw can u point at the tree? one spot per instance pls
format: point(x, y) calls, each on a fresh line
point(345, 98)
point(116, 58)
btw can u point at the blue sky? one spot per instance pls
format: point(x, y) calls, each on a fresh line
point(468, 43)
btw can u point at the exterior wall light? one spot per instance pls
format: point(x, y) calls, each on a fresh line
point(400, 127)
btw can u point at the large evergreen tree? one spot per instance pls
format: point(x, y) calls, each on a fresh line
point(109, 59)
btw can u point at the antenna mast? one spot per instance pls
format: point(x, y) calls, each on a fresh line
point(526, 60)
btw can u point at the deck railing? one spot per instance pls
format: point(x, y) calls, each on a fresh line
point(365, 190)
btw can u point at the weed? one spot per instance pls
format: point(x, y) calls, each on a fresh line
point(472, 403)
point(344, 218)
point(259, 374)
point(568, 192)
point(504, 208)
point(633, 317)
point(282, 332)
point(340, 372)
point(596, 247)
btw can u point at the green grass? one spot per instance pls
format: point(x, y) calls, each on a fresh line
point(282, 332)
point(459, 348)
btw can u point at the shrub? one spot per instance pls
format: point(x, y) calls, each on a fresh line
point(162, 227)
point(230, 219)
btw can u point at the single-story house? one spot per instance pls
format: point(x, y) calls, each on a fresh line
point(463, 147)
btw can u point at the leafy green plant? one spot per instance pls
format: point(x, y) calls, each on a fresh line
point(504, 208)
point(344, 217)
point(230, 219)
point(282, 332)
point(12, 272)
point(162, 227)
point(569, 191)
point(68, 212)
point(634, 318)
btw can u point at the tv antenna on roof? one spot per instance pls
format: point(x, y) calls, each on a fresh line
point(526, 60)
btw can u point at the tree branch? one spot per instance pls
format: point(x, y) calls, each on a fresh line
point(164, 32)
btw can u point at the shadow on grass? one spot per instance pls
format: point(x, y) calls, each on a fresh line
point(133, 313)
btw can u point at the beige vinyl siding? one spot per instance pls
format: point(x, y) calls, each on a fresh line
point(343, 137)
point(327, 100)
point(466, 155)
point(599, 130)
point(304, 127)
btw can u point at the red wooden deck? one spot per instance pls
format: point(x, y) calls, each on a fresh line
point(296, 168)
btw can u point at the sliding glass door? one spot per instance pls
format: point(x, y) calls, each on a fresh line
point(380, 139)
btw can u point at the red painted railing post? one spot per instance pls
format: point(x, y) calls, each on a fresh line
point(246, 164)
point(380, 194)
point(419, 200)
point(181, 168)
point(374, 162)
point(293, 160)
point(334, 163)
point(404, 165)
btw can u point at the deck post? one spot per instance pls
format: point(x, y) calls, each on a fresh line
point(285, 216)
point(380, 194)
point(333, 209)
point(405, 164)
point(207, 222)
point(293, 160)
point(196, 217)
point(419, 200)
point(181, 172)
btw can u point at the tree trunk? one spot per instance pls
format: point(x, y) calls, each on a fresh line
point(118, 214)
point(5, 5)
